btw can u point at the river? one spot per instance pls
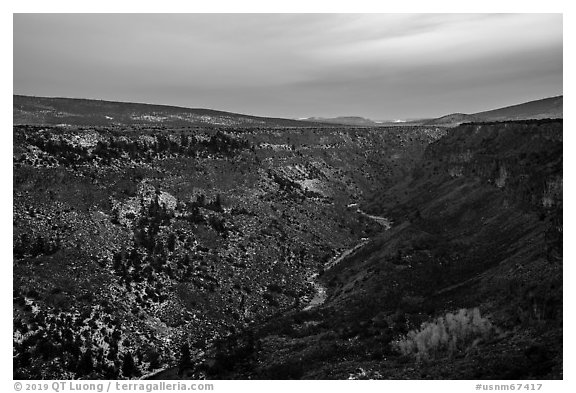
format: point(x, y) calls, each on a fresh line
point(321, 292)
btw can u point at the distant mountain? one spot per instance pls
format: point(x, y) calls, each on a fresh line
point(453, 120)
point(547, 108)
point(72, 111)
point(345, 120)
point(551, 108)
point(83, 112)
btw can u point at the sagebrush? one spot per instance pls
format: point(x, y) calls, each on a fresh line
point(446, 335)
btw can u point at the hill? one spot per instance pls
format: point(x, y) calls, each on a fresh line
point(452, 120)
point(344, 120)
point(82, 112)
point(547, 108)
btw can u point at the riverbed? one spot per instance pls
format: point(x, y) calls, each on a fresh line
point(321, 292)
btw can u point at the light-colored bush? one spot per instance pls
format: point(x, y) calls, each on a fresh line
point(446, 335)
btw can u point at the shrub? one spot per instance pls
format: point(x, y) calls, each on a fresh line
point(270, 299)
point(446, 335)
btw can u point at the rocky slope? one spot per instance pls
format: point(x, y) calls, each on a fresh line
point(467, 284)
point(137, 247)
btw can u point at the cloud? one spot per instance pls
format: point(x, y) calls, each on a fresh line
point(293, 64)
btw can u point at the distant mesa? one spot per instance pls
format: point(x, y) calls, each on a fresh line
point(547, 108)
point(453, 119)
point(83, 112)
point(344, 120)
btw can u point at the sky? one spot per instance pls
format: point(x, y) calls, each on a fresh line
point(379, 66)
